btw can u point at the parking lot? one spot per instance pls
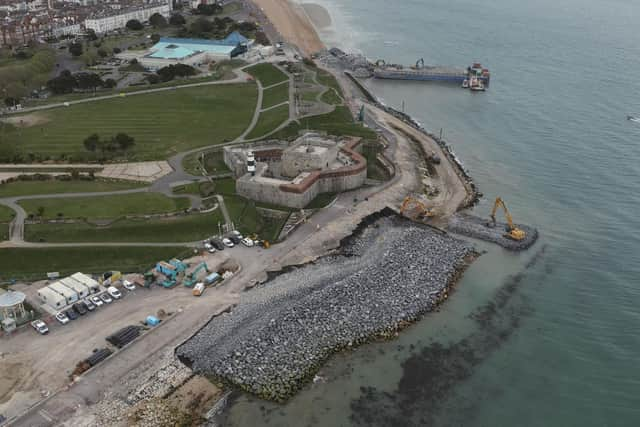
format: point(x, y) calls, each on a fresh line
point(41, 364)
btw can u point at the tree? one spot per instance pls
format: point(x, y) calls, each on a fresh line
point(124, 141)
point(10, 101)
point(64, 83)
point(102, 53)
point(75, 48)
point(172, 71)
point(177, 20)
point(208, 9)
point(88, 81)
point(40, 211)
point(157, 21)
point(92, 142)
point(134, 25)
point(155, 38)
point(91, 35)
point(110, 83)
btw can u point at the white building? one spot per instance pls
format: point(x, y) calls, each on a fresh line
point(51, 298)
point(75, 286)
point(93, 285)
point(66, 30)
point(119, 19)
point(67, 293)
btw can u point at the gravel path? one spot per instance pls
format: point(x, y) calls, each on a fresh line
point(386, 275)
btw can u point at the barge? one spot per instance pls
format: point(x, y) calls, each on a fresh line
point(422, 72)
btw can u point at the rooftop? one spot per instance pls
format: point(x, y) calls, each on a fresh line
point(12, 298)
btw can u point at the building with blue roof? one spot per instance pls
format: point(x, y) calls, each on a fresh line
point(194, 52)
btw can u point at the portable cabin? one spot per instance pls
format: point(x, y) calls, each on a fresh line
point(52, 298)
point(93, 285)
point(68, 294)
point(75, 286)
point(167, 269)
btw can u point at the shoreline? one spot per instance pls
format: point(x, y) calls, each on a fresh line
point(293, 23)
point(275, 360)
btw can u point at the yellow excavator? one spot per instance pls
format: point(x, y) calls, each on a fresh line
point(423, 211)
point(513, 232)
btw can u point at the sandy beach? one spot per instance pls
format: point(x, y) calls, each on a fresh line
point(293, 23)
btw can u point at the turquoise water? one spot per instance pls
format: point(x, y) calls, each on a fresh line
point(549, 337)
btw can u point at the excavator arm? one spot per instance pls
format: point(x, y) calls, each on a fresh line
point(423, 210)
point(513, 232)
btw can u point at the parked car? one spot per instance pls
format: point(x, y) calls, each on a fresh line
point(128, 285)
point(247, 242)
point(106, 298)
point(90, 306)
point(217, 243)
point(207, 245)
point(71, 314)
point(237, 234)
point(235, 239)
point(114, 292)
point(228, 243)
point(62, 318)
point(80, 308)
point(95, 299)
point(40, 326)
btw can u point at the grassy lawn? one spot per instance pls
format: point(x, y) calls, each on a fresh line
point(249, 219)
point(188, 228)
point(213, 162)
point(52, 186)
point(331, 97)
point(267, 74)
point(269, 120)
point(162, 123)
point(6, 214)
point(275, 95)
point(34, 263)
point(338, 122)
point(327, 79)
point(105, 207)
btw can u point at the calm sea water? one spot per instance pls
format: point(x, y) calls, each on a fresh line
point(546, 338)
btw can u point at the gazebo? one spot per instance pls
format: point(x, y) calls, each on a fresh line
point(12, 305)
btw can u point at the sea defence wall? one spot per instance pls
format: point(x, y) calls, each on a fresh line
point(275, 341)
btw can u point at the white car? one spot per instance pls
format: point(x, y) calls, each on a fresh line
point(228, 243)
point(62, 318)
point(95, 299)
point(114, 292)
point(247, 242)
point(40, 326)
point(211, 250)
point(128, 285)
point(106, 298)
point(208, 246)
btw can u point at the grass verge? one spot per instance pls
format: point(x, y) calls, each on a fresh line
point(6, 214)
point(339, 122)
point(213, 162)
point(105, 207)
point(269, 121)
point(250, 219)
point(53, 186)
point(275, 95)
point(34, 263)
point(188, 228)
point(267, 74)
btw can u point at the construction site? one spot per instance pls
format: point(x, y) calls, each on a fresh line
point(151, 352)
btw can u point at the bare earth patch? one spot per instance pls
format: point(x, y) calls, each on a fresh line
point(27, 121)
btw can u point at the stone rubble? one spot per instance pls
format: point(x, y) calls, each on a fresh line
point(386, 275)
point(476, 227)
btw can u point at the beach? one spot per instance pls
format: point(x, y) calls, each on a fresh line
point(293, 22)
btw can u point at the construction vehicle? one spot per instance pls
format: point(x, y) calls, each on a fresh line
point(423, 212)
point(513, 232)
point(198, 289)
point(192, 277)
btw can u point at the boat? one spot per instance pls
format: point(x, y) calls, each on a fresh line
point(633, 119)
point(476, 85)
point(465, 84)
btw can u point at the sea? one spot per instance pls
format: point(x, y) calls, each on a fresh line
point(548, 337)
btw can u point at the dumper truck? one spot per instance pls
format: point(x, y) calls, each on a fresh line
point(198, 289)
